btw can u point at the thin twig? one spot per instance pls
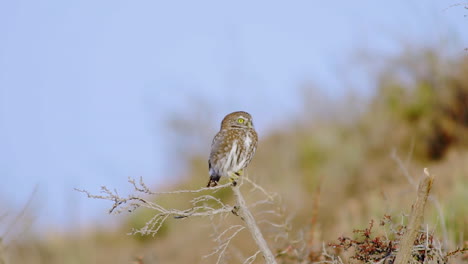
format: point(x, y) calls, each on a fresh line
point(252, 258)
point(403, 169)
point(255, 186)
point(223, 246)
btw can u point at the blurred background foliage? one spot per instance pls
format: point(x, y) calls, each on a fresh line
point(338, 164)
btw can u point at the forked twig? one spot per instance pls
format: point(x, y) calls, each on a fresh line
point(203, 205)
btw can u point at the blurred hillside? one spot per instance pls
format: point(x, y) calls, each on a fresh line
point(333, 172)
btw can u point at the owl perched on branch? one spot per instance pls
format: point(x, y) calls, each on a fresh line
point(232, 148)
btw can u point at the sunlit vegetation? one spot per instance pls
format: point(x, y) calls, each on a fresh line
point(334, 174)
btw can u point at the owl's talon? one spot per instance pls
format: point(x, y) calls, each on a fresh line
point(233, 179)
point(235, 210)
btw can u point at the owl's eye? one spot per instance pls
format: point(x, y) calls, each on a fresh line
point(240, 120)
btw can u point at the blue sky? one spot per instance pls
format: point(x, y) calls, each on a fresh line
point(87, 87)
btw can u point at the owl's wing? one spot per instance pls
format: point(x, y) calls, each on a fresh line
point(215, 146)
point(217, 141)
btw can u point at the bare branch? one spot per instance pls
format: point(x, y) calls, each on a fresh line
point(202, 205)
point(141, 187)
point(255, 186)
point(252, 258)
point(220, 250)
point(329, 258)
point(252, 225)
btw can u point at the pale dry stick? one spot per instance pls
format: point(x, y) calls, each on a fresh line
point(234, 251)
point(269, 200)
point(333, 259)
point(247, 216)
point(144, 189)
point(434, 200)
point(228, 240)
point(222, 247)
point(252, 258)
point(295, 247)
point(220, 236)
point(260, 202)
point(438, 207)
point(415, 220)
point(236, 254)
point(403, 169)
point(283, 225)
point(255, 186)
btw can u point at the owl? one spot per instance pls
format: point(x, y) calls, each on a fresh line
point(232, 148)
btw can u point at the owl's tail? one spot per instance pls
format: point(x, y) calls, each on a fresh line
point(214, 179)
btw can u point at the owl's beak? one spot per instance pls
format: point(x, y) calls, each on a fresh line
point(249, 124)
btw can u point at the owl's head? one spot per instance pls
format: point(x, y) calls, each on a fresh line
point(238, 119)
